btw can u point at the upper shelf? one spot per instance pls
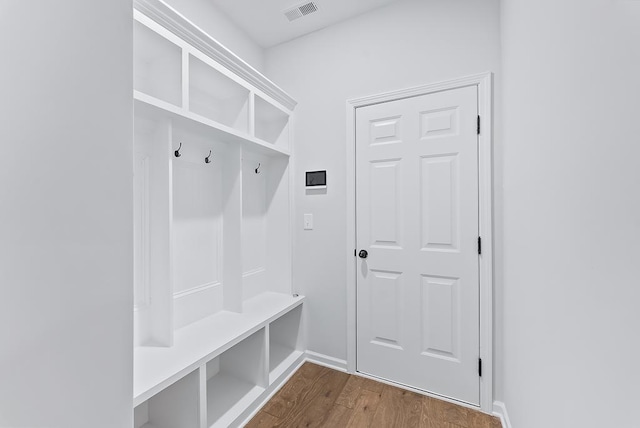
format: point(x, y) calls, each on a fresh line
point(179, 25)
point(153, 108)
point(180, 80)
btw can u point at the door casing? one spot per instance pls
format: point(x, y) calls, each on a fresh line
point(484, 83)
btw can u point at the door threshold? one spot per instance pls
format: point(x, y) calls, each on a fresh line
point(418, 390)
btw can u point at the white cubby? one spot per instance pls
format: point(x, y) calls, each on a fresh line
point(175, 406)
point(271, 123)
point(235, 379)
point(217, 97)
point(213, 294)
point(157, 65)
point(285, 342)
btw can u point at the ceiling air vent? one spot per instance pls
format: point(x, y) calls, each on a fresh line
point(300, 10)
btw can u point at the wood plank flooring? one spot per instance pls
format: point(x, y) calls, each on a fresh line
point(317, 396)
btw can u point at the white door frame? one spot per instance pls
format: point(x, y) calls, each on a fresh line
point(484, 82)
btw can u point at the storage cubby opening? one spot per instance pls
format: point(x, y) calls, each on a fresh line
point(265, 219)
point(175, 406)
point(217, 97)
point(235, 379)
point(157, 65)
point(271, 123)
point(200, 199)
point(284, 342)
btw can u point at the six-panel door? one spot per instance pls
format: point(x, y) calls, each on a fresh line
point(417, 217)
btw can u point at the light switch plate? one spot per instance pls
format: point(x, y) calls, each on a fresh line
point(308, 221)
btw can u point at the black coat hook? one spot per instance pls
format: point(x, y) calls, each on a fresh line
point(207, 159)
point(258, 169)
point(177, 152)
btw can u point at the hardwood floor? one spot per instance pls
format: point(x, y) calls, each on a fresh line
point(317, 396)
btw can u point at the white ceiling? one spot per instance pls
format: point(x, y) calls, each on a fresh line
point(265, 23)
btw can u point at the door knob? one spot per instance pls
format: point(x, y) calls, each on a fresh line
point(363, 254)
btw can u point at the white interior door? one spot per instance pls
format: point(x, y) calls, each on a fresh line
point(417, 218)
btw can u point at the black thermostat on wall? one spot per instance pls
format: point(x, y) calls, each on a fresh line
point(316, 179)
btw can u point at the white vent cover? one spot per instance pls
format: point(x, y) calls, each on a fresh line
point(300, 10)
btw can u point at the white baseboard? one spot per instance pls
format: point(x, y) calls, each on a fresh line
point(500, 410)
point(327, 361)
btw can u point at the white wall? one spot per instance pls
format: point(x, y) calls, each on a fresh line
point(572, 212)
point(406, 44)
point(66, 214)
point(218, 25)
